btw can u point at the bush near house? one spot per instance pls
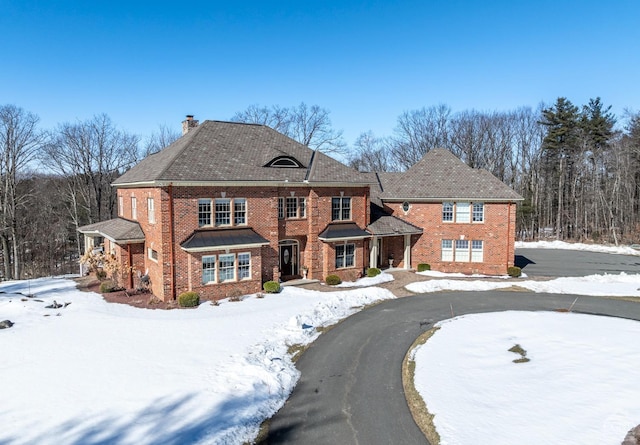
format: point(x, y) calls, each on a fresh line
point(271, 287)
point(332, 280)
point(514, 271)
point(373, 271)
point(423, 266)
point(189, 299)
point(107, 286)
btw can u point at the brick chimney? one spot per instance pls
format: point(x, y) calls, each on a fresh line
point(188, 124)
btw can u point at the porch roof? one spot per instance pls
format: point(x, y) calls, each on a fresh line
point(383, 224)
point(343, 231)
point(203, 240)
point(118, 230)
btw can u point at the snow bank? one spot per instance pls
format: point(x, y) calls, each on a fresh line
point(621, 250)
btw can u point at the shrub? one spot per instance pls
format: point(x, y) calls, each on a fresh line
point(189, 299)
point(423, 266)
point(373, 271)
point(271, 287)
point(514, 271)
point(332, 280)
point(106, 287)
point(101, 274)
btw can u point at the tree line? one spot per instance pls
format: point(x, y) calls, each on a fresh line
point(577, 170)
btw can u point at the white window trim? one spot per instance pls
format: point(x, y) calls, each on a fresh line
point(448, 250)
point(120, 206)
point(477, 222)
point(453, 212)
point(283, 209)
point(463, 204)
point(345, 244)
point(215, 270)
point(134, 208)
point(341, 209)
point(238, 266)
point(151, 210)
point(478, 252)
point(149, 250)
point(233, 268)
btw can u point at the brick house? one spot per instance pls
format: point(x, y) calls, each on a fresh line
point(230, 205)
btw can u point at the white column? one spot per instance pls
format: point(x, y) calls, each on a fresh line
point(373, 252)
point(407, 251)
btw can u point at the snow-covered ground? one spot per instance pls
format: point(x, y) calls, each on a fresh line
point(579, 387)
point(621, 250)
point(94, 372)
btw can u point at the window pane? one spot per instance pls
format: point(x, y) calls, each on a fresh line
point(478, 212)
point(151, 210)
point(447, 211)
point(223, 212)
point(292, 207)
point(208, 269)
point(477, 251)
point(240, 211)
point(462, 250)
point(244, 266)
point(462, 212)
point(134, 208)
point(280, 208)
point(346, 209)
point(350, 255)
point(227, 267)
point(302, 204)
point(447, 250)
point(335, 209)
point(204, 212)
point(339, 256)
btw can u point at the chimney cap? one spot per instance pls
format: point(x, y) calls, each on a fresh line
point(189, 117)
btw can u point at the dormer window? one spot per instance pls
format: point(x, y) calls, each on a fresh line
point(284, 162)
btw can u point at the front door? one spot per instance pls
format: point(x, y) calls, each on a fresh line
point(286, 260)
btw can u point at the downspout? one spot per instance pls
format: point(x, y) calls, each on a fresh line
point(172, 290)
point(130, 266)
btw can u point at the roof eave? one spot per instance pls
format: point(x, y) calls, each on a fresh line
point(441, 199)
point(225, 247)
point(245, 183)
point(344, 238)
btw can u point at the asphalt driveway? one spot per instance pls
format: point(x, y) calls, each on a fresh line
point(539, 263)
point(350, 390)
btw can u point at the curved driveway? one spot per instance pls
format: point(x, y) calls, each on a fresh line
point(350, 391)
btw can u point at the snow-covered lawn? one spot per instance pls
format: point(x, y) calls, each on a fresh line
point(621, 250)
point(579, 387)
point(95, 372)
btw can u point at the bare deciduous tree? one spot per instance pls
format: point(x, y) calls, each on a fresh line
point(20, 141)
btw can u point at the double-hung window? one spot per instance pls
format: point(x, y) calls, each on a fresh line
point(134, 208)
point(478, 212)
point(462, 250)
point(292, 207)
point(463, 212)
point(151, 210)
point(120, 206)
point(447, 250)
point(447, 212)
point(227, 269)
point(204, 212)
point(223, 212)
point(341, 209)
point(239, 211)
point(208, 269)
point(477, 250)
point(244, 266)
point(345, 255)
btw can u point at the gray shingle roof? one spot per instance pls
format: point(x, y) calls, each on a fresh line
point(216, 239)
point(342, 230)
point(440, 175)
point(383, 224)
point(119, 230)
point(231, 151)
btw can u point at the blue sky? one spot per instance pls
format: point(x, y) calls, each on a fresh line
point(149, 63)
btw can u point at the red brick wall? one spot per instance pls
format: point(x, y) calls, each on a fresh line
point(262, 216)
point(497, 233)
